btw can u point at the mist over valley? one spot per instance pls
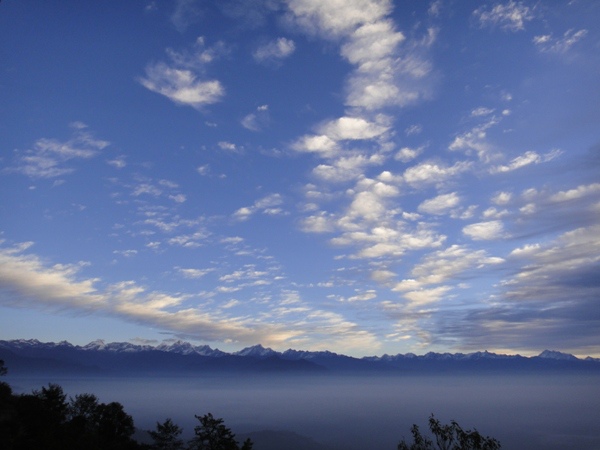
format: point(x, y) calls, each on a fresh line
point(327, 401)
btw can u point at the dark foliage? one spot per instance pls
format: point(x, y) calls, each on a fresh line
point(448, 437)
point(45, 419)
point(212, 434)
point(166, 436)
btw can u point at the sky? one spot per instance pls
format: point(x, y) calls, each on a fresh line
point(359, 176)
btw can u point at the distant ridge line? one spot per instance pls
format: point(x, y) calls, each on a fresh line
point(258, 351)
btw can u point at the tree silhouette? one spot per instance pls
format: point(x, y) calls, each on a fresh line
point(115, 426)
point(449, 437)
point(45, 420)
point(5, 391)
point(166, 436)
point(84, 407)
point(212, 434)
point(54, 401)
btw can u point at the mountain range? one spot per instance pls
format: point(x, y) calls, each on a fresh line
point(121, 358)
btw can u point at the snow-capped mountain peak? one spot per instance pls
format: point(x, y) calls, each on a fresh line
point(181, 347)
point(552, 354)
point(98, 344)
point(257, 351)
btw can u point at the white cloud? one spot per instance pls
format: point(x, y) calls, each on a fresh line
point(386, 72)
point(485, 231)
point(203, 170)
point(182, 86)
point(193, 273)
point(337, 18)
point(229, 146)
point(481, 111)
point(126, 253)
point(193, 240)
point(151, 7)
point(49, 158)
point(528, 209)
point(372, 42)
point(406, 154)
point(267, 205)
point(577, 193)
point(526, 250)
point(386, 237)
point(183, 81)
point(243, 213)
point(527, 158)
point(319, 144)
point(442, 266)
point(413, 129)
point(441, 204)
point(426, 296)
point(363, 296)
point(509, 16)
point(369, 200)
point(434, 8)
point(346, 168)
point(398, 82)
point(353, 128)
point(433, 173)
point(168, 184)
point(146, 189)
point(411, 216)
point(382, 275)
point(475, 139)
point(186, 13)
point(257, 120)
point(249, 272)
point(178, 198)
point(61, 288)
point(32, 279)
point(275, 50)
point(118, 162)
point(561, 272)
point(548, 44)
point(367, 205)
point(502, 198)
point(464, 214)
point(318, 223)
point(493, 213)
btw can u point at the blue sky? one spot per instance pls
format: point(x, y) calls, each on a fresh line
point(362, 176)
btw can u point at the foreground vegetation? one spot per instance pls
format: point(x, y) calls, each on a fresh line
point(45, 419)
point(448, 437)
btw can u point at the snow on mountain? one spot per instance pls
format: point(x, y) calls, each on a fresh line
point(305, 354)
point(116, 347)
point(205, 350)
point(185, 348)
point(181, 347)
point(22, 343)
point(257, 351)
point(551, 354)
point(98, 344)
point(489, 355)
